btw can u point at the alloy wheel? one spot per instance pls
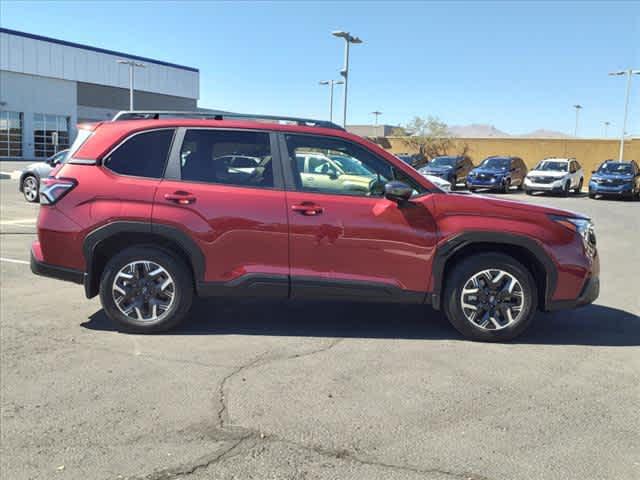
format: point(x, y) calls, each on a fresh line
point(492, 299)
point(30, 188)
point(143, 291)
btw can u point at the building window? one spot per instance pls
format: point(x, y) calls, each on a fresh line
point(50, 134)
point(10, 134)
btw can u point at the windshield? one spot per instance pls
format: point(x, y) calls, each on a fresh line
point(615, 167)
point(496, 163)
point(351, 166)
point(552, 166)
point(443, 162)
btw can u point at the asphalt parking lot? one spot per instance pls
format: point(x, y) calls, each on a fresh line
point(259, 390)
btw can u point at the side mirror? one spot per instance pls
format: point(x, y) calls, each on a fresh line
point(398, 192)
point(333, 175)
point(513, 169)
point(593, 171)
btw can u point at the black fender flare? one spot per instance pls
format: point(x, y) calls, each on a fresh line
point(456, 243)
point(106, 231)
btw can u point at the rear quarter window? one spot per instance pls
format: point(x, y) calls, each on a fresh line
point(142, 155)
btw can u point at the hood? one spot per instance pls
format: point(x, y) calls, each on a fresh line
point(616, 176)
point(490, 171)
point(486, 206)
point(547, 173)
point(443, 169)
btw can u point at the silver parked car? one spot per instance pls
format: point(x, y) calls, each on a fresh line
point(30, 178)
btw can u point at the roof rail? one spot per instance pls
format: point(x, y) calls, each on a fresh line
point(218, 115)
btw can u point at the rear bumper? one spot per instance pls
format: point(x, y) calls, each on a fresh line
point(43, 269)
point(589, 294)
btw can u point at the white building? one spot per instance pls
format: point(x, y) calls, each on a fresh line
point(47, 86)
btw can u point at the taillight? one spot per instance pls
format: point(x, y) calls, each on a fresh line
point(53, 189)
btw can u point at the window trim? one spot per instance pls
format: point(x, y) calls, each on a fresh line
point(173, 169)
point(289, 174)
point(126, 139)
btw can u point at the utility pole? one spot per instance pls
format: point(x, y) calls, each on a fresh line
point(376, 114)
point(578, 108)
point(629, 72)
point(132, 64)
point(348, 39)
point(331, 83)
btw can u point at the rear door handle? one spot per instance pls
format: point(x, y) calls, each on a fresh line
point(308, 209)
point(180, 197)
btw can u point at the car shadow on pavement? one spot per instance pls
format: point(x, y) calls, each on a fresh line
point(591, 325)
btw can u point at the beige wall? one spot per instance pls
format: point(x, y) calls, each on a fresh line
point(589, 152)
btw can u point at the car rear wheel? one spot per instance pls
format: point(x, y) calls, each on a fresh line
point(30, 188)
point(145, 290)
point(490, 297)
point(579, 187)
point(566, 189)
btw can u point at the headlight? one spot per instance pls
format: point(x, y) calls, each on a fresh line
point(583, 227)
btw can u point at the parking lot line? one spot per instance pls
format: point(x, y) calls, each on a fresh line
point(19, 221)
point(13, 260)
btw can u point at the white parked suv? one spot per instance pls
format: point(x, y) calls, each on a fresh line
point(559, 175)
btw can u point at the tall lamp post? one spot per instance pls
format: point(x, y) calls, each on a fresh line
point(606, 128)
point(331, 83)
point(348, 40)
point(578, 108)
point(132, 65)
point(629, 72)
point(376, 114)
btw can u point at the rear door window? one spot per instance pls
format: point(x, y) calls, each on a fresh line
point(142, 155)
point(227, 157)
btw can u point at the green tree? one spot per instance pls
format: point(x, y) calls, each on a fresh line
point(428, 138)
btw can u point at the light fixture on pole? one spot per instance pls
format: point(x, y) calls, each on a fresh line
point(348, 39)
point(629, 72)
point(578, 108)
point(376, 114)
point(331, 83)
point(606, 128)
point(132, 64)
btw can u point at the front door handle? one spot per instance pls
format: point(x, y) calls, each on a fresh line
point(307, 208)
point(180, 197)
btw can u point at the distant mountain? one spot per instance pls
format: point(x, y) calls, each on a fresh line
point(476, 130)
point(543, 133)
point(480, 130)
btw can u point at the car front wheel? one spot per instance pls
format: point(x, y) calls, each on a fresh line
point(30, 188)
point(145, 290)
point(490, 297)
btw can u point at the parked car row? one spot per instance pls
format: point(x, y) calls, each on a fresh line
point(554, 175)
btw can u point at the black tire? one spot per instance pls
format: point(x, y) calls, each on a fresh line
point(454, 183)
point(592, 195)
point(578, 189)
point(31, 188)
point(470, 266)
point(566, 189)
point(506, 186)
point(529, 192)
point(182, 294)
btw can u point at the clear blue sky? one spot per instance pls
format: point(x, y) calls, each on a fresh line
point(519, 66)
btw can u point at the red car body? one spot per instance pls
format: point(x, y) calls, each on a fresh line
point(363, 247)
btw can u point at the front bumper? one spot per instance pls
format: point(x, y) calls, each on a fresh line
point(484, 183)
point(589, 294)
point(603, 189)
point(43, 269)
point(556, 186)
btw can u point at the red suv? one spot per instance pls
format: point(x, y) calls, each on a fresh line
point(151, 208)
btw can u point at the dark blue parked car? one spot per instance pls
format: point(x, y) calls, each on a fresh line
point(616, 178)
point(498, 173)
point(453, 169)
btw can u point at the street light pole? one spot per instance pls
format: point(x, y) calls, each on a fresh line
point(376, 114)
point(132, 64)
point(331, 83)
point(578, 108)
point(349, 39)
point(606, 129)
point(628, 73)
